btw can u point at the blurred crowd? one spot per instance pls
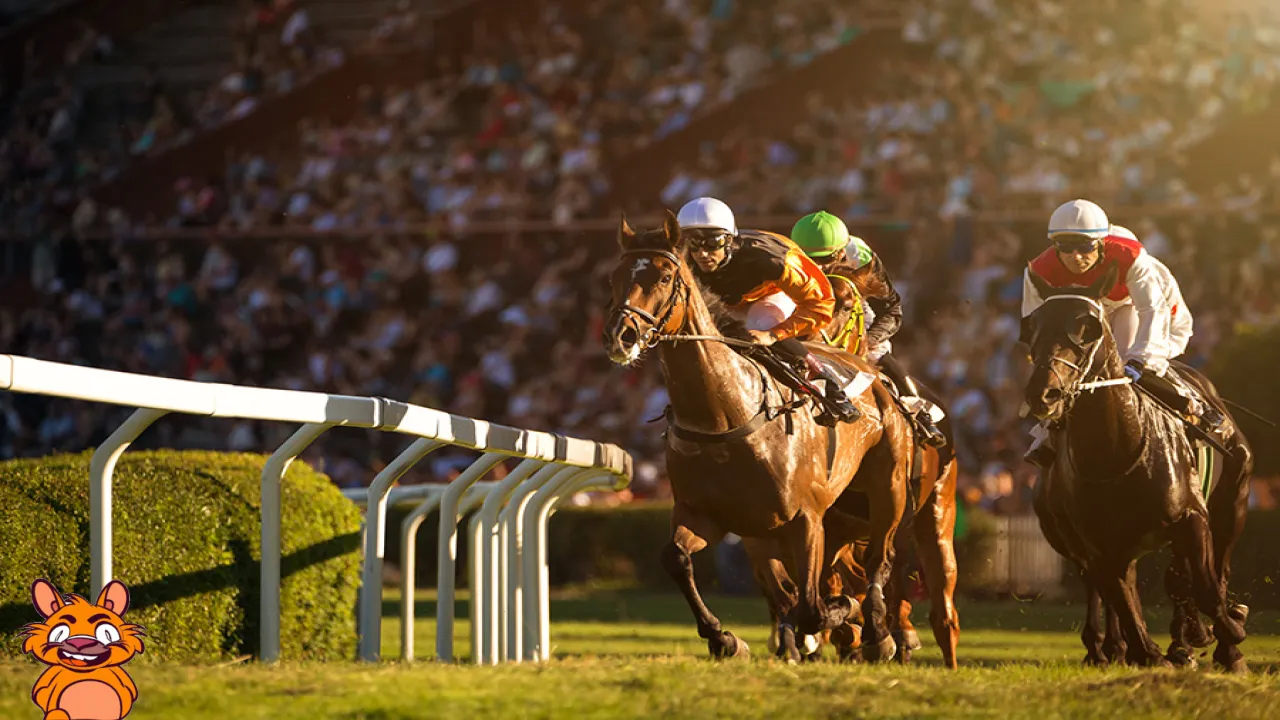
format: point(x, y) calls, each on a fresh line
point(54, 143)
point(521, 127)
point(1020, 106)
point(1019, 103)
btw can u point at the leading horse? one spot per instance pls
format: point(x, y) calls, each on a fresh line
point(1125, 481)
point(742, 454)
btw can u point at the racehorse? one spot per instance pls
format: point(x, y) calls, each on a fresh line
point(847, 525)
point(1125, 482)
point(742, 454)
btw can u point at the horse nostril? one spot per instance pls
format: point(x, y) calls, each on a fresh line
point(629, 336)
point(1052, 395)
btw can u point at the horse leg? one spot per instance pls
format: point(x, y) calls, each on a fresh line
point(1091, 633)
point(693, 532)
point(935, 544)
point(1117, 584)
point(1227, 511)
point(847, 578)
point(1193, 541)
point(1186, 628)
point(806, 537)
point(779, 592)
point(888, 500)
point(1114, 646)
point(899, 618)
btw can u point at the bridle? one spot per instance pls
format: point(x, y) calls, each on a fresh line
point(654, 336)
point(1072, 390)
point(658, 319)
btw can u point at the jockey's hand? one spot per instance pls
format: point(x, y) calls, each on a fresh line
point(762, 337)
point(1134, 369)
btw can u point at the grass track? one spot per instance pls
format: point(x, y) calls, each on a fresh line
point(632, 655)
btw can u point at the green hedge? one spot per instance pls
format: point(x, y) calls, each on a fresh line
point(187, 542)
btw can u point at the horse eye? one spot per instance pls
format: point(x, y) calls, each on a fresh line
point(666, 278)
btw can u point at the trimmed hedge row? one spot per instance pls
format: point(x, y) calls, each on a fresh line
point(187, 544)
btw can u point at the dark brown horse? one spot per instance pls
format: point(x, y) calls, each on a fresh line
point(1125, 483)
point(847, 524)
point(740, 458)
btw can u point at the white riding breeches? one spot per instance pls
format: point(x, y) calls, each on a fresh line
point(768, 312)
point(1176, 327)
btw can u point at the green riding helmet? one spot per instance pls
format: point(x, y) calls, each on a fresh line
point(821, 234)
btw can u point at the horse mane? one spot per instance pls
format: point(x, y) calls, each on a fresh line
point(726, 323)
point(721, 314)
point(867, 279)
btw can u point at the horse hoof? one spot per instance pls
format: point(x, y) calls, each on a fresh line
point(1098, 661)
point(1239, 613)
point(1230, 659)
point(839, 609)
point(909, 639)
point(849, 654)
point(1181, 657)
point(727, 645)
point(883, 650)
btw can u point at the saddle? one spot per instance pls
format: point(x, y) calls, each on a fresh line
point(854, 383)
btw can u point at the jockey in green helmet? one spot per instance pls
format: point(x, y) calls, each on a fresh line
point(826, 240)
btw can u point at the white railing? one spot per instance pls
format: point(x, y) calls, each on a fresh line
point(510, 613)
point(553, 464)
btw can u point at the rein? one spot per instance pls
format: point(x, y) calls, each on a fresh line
point(654, 336)
point(1082, 385)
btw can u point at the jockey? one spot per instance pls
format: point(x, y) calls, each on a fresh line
point(825, 238)
point(1148, 317)
point(783, 294)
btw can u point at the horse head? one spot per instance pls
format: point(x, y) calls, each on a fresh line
point(650, 290)
point(1070, 342)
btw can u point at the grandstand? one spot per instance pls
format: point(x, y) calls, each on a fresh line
point(415, 199)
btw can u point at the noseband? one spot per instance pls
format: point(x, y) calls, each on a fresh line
point(653, 335)
point(1072, 390)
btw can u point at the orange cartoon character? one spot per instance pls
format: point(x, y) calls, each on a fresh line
point(84, 646)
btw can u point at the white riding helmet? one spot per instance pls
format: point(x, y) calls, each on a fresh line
point(707, 212)
point(1079, 217)
point(1122, 231)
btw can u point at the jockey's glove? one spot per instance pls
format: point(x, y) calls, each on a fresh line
point(1134, 369)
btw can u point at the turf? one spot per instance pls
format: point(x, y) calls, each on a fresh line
point(623, 654)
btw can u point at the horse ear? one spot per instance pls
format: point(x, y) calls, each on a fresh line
point(671, 227)
point(1105, 284)
point(1041, 285)
point(625, 233)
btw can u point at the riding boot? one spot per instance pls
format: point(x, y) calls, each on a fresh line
point(1206, 415)
point(838, 405)
point(837, 402)
point(933, 437)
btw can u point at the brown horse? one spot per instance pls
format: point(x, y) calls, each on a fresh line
point(741, 456)
point(1125, 483)
point(933, 525)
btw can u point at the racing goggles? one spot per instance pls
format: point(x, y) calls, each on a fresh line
point(1073, 244)
point(707, 239)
